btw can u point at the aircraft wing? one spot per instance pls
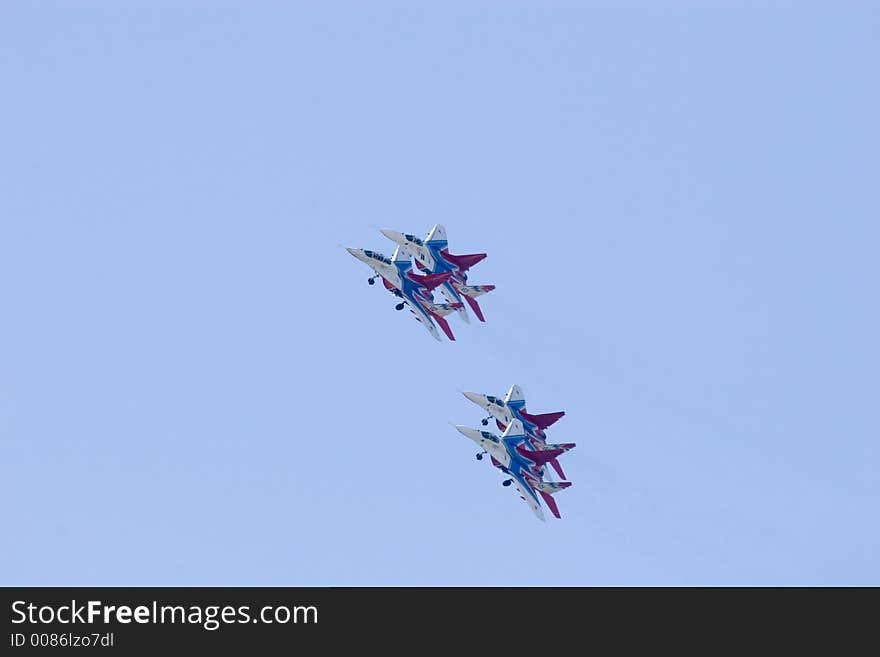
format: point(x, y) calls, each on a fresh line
point(543, 420)
point(527, 495)
point(425, 321)
point(452, 297)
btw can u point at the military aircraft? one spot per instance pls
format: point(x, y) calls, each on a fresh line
point(538, 457)
point(513, 407)
point(413, 290)
point(509, 454)
point(432, 255)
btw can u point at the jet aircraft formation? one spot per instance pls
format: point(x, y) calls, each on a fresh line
point(521, 452)
point(444, 270)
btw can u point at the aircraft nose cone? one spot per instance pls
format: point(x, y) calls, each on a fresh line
point(393, 235)
point(359, 254)
point(474, 397)
point(467, 432)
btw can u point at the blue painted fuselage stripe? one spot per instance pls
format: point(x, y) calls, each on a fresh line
point(411, 291)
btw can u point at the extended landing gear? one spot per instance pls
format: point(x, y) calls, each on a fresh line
point(485, 421)
point(371, 280)
point(507, 482)
point(480, 456)
point(399, 306)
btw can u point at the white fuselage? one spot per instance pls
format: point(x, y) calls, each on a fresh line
point(395, 272)
point(489, 444)
point(501, 450)
point(415, 246)
point(430, 259)
point(492, 405)
point(379, 264)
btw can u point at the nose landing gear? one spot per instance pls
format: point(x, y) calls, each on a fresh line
point(507, 482)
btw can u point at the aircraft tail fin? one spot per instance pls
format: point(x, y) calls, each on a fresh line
point(543, 420)
point(469, 294)
point(547, 489)
point(400, 256)
point(463, 262)
point(515, 395)
point(513, 429)
point(443, 325)
point(475, 307)
point(437, 234)
point(556, 466)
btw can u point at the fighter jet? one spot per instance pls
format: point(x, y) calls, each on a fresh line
point(538, 457)
point(510, 456)
point(413, 290)
point(432, 255)
point(513, 407)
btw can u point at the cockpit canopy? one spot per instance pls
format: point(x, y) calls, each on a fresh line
point(414, 239)
point(377, 256)
point(489, 436)
point(494, 400)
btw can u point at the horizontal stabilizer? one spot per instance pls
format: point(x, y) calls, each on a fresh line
point(441, 309)
point(463, 262)
point(551, 487)
point(564, 447)
point(474, 290)
point(543, 420)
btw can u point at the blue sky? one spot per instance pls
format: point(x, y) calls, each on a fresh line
point(197, 386)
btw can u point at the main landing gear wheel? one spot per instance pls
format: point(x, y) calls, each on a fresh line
point(398, 306)
point(479, 457)
point(507, 482)
point(485, 422)
point(371, 281)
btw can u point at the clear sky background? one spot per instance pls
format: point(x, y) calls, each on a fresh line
point(679, 202)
